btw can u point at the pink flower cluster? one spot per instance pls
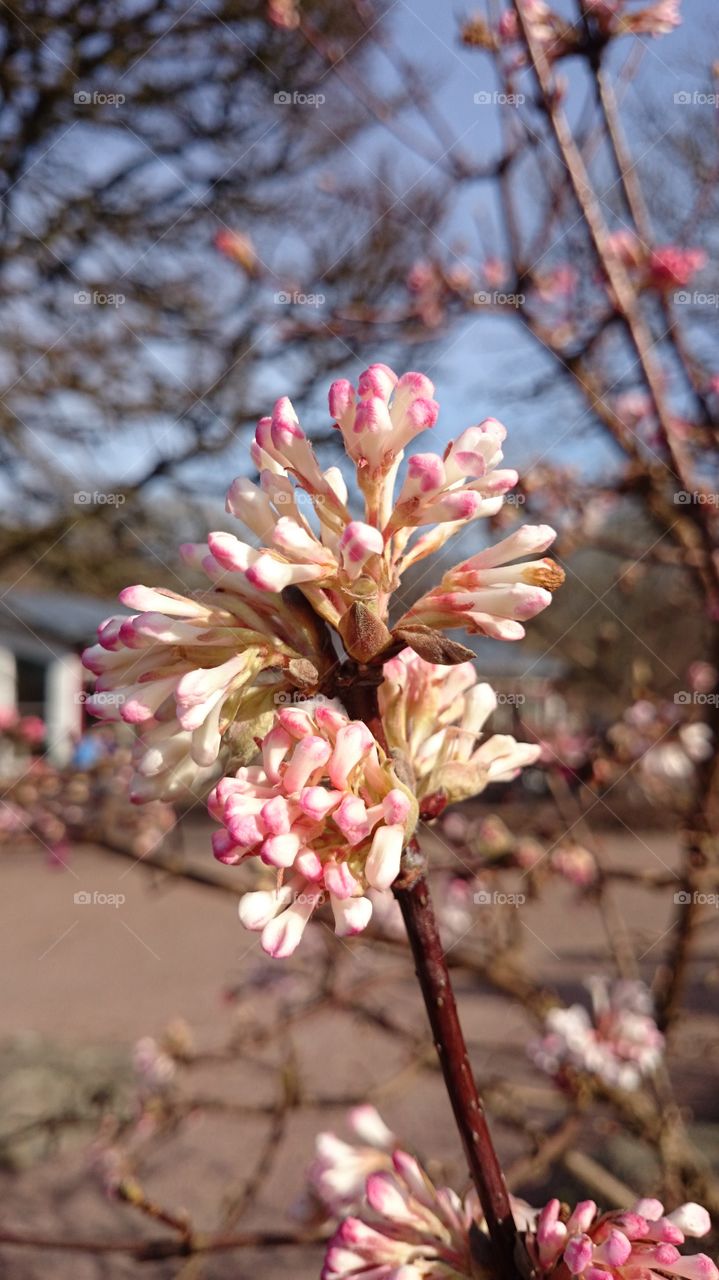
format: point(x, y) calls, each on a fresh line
point(619, 1041)
point(434, 716)
point(337, 560)
point(403, 1227)
point(183, 669)
point(641, 1242)
point(326, 810)
point(663, 268)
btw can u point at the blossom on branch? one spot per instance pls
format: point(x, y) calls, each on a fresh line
point(403, 1227)
point(433, 716)
point(619, 1041)
point(326, 810)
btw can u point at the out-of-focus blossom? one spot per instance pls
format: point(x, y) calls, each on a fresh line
point(327, 811)
point(657, 19)
point(664, 267)
point(671, 267)
point(238, 247)
point(434, 716)
point(284, 14)
point(575, 863)
point(339, 1171)
point(558, 283)
point(618, 1040)
point(154, 1067)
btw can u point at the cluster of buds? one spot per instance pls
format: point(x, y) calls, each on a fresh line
point(188, 670)
point(609, 18)
point(403, 1227)
point(433, 717)
point(185, 670)
point(641, 1241)
point(212, 678)
point(662, 268)
point(326, 810)
point(618, 1042)
point(400, 1225)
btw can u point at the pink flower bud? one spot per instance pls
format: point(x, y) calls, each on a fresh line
point(351, 818)
point(339, 880)
point(257, 909)
point(377, 380)
point(353, 742)
point(281, 936)
point(578, 1254)
point(341, 399)
point(382, 866)
point(692, 1219)
point(358, 542)
point(280, 851)
point(351, 915)
point(310, 754)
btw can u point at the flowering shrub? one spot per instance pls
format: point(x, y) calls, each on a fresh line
point(331, 807)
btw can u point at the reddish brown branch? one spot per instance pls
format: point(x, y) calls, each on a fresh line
point(418, 913)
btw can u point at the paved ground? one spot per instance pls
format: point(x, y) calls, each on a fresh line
point(90, 978)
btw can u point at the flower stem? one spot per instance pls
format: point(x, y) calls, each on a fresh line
point(415, 902)
point(358, 685)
